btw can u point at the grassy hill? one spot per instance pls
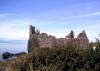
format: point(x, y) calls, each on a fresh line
point(56, 59)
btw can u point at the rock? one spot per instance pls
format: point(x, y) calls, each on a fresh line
point(7, 55)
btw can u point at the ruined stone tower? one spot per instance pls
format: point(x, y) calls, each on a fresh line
point(33, 39)
point(42, 40)
point(80, 41)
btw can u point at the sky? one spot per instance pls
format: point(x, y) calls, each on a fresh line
point(55, 17)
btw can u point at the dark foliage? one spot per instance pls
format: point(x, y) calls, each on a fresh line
point(57, 59)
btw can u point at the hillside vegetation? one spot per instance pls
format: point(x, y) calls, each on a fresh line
point(68, 58)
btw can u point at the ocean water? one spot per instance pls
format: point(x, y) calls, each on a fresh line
point(12, 47)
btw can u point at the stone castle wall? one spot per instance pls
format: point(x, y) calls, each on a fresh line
point(42, 40)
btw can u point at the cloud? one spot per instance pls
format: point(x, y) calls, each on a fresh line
point(19, 28)
point(77, 23)
point(14, 30)
point(2, 15)
point(60, 18)
point(85, 15)
point(13, 33)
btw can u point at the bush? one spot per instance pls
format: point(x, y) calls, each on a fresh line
point(57, 59)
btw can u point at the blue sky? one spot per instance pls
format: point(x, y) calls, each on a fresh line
point(55, 17)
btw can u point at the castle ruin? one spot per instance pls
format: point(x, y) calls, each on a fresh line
point(42, 40)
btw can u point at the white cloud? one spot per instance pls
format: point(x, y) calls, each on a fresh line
point(6, 14)
point(64, 19)
point(14, 30)
point(85, 15)
point(18, 28)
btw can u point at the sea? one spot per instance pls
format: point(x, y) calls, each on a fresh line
point(12, 46)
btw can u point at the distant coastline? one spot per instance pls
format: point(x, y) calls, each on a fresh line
point(13, 46)
point(13, 41)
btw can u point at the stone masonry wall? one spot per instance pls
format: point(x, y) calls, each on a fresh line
point(42, 40)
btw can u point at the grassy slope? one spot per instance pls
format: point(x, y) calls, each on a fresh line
point(56, 59)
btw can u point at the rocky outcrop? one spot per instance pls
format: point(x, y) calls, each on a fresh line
point(8, 55)
point(37, 39)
